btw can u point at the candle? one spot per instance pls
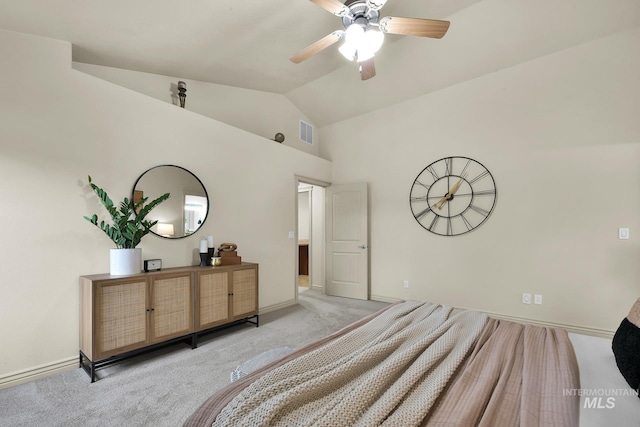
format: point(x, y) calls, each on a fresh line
point(210, 241)
point(203, 246)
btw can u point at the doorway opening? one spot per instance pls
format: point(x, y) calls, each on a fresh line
point(310, 236)
point(195, 211)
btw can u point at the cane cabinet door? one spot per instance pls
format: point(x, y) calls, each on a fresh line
point(213, 298)
point(171, 306)
point(245, 292)
point(120, 316)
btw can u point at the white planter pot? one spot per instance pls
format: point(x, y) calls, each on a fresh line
point(125, 261)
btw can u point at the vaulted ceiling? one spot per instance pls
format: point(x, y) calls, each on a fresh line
point(247, 43)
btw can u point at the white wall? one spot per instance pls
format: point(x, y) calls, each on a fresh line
point(59, 125)
point(304, 214)
point(561, 136)
point(258, 112)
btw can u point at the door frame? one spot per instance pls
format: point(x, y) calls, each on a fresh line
point(311, 181)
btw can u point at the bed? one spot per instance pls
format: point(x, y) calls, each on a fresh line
point(411, 364)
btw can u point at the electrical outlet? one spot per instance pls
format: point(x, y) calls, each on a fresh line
point(406, 283)
point(526, 298)
point(537, 299)
point(623, 233)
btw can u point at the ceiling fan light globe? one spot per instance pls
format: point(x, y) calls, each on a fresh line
point(372, 40)
point(348, 50)
point(364, 54)
point(354, 34)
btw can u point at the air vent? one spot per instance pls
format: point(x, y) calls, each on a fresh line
point(306, 132)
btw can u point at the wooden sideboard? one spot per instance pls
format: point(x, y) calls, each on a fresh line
point(122, 315)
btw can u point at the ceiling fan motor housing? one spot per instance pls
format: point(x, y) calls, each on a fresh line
point(360, 14)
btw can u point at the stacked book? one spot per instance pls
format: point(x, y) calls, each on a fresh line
point(230, 257)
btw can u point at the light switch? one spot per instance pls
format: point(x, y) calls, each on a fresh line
point(292, 234)
point(623, 233)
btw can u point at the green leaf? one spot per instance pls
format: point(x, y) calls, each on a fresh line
point(128, 227)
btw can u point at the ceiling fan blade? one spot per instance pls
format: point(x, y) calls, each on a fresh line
point(414, 27)
point(367, 69)
point(333, 6)
point(318, 46)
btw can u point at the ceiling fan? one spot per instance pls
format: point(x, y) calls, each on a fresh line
point(362, 40)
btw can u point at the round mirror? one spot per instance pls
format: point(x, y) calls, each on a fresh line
point(187, 207)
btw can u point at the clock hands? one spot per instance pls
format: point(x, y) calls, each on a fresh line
point(440, 203)
point(455, 187)
point(462, 189)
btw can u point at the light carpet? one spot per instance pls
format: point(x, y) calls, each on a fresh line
point(164, 387)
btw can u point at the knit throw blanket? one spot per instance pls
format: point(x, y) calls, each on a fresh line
point(396, 368)
point(392, 370)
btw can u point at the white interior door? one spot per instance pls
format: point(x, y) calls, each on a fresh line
point(347, 241)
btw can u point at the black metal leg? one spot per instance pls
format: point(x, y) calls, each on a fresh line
point(194, 341)
point(90, 367)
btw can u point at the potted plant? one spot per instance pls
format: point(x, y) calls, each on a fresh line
point(128, 228)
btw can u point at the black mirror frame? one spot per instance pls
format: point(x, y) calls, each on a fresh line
point(197, 179)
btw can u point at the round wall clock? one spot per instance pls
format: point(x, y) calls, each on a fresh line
point(453, 196)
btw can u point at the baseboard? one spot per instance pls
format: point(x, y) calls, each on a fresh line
point(596, 332)
point(38, 372)
point(380, 298)
point(275, 307)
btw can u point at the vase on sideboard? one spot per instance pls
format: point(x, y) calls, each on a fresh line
point(123, 262)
